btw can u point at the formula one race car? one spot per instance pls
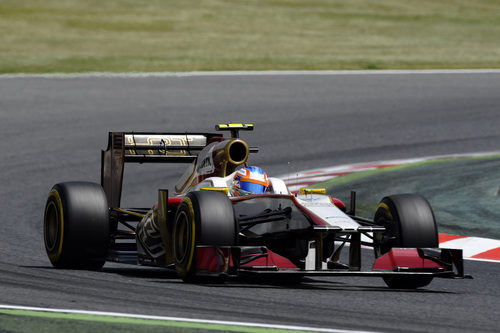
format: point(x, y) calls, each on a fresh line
point(205, 230)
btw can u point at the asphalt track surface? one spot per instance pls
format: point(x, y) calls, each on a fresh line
point(52, 130)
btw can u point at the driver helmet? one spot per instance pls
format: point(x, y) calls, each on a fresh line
point(250, 180)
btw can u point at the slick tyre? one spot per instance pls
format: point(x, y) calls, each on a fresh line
point(76, 226)
point(202, 218)
point(410, 223)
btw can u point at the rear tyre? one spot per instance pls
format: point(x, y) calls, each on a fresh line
point(203, 218)
point(410, 223)
point(76, 226)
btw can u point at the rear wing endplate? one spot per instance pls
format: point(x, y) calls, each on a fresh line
point(125, 147)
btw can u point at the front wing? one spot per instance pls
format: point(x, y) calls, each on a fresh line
point(443, 263)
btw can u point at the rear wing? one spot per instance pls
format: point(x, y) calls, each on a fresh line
point(130, 147)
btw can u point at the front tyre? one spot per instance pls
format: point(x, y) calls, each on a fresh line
point(410, 223)
point(202, 218)
point(76, 225)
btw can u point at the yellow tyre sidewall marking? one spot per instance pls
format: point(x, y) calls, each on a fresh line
point(181, 270)
point(55, 256)
point(386, 208)
point(383, 206)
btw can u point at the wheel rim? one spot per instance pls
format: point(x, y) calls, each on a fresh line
point(182, 237)
point(384, 218)
point(52, 228)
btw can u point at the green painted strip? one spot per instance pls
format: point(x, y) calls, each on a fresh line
point(146, 322)
point(361, 174)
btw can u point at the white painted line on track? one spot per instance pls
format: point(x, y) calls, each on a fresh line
point(248, 73)
point(295, 180)
point(186, 320)
point(472, 245)
point(485, 260)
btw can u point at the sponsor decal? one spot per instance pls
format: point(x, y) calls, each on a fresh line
point(206, 165)
point(162, 144)
point(149, 236)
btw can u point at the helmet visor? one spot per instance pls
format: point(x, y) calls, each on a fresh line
point(252, 187)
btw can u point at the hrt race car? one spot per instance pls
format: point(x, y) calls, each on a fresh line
point(203, 231)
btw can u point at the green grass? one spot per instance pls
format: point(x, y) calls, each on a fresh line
point(164, 35)
point(25, 321)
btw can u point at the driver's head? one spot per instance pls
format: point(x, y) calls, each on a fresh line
point(250, 180)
